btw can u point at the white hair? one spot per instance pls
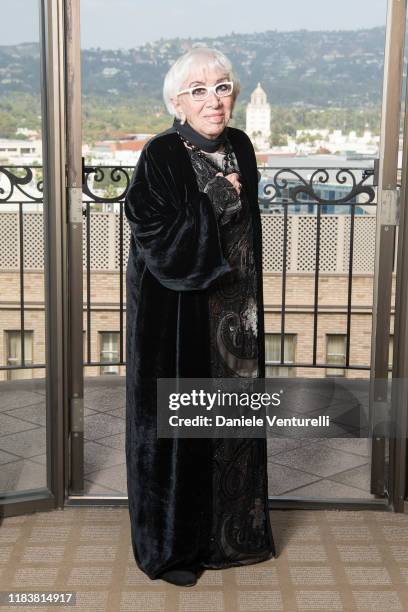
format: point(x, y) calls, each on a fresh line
point(195, 60)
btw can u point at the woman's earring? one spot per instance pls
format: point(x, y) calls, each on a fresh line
point(182, 118)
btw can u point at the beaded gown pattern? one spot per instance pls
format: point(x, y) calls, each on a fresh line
point(241, 532)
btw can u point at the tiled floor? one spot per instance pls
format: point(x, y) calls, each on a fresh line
point(341, 561)
point(312, 467)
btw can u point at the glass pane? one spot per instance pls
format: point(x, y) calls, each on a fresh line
point(122, 77)
point(22, 320)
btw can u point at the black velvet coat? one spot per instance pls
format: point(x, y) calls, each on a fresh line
point(175, 255)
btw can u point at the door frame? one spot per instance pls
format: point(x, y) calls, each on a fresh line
point(399, 400)
point(382, 480)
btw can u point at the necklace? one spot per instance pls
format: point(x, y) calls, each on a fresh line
point(228, 157)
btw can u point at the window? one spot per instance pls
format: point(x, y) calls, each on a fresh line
point(272, 354)
point(84, 346)
point(335, 353)
point(13, 348)
point(390, 354)
point(109, 351)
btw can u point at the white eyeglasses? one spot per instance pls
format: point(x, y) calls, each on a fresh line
point(201, 92)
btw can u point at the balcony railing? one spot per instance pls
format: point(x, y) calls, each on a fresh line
point(315, 221)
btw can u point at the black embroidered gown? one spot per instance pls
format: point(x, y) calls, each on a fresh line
point(241, 532)
point(193, 286)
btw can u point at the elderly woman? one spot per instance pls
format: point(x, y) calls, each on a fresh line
point(194, 310)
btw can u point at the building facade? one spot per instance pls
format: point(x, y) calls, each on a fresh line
point(102, 290)
point(258, 119)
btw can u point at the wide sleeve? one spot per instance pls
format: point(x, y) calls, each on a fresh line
point(174, 227)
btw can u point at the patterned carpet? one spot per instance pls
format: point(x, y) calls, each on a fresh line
point(328, 560)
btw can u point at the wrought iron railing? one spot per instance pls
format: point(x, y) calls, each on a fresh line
point(294, 181)
point(284, 178)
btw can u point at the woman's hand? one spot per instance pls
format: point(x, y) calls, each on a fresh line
point(233, 178)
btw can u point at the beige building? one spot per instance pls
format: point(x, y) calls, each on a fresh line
point(258, 119)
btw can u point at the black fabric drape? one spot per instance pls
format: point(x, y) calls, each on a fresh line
point(175, 255)
point(172, 223)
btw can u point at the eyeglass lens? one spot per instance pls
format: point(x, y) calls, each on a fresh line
point(201, 92)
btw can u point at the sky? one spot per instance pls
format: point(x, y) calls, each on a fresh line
point(115, 24)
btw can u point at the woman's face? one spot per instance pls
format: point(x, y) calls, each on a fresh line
point(208, 117)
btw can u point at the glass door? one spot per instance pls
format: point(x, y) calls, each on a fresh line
point(326, 267)
point(31, 263)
